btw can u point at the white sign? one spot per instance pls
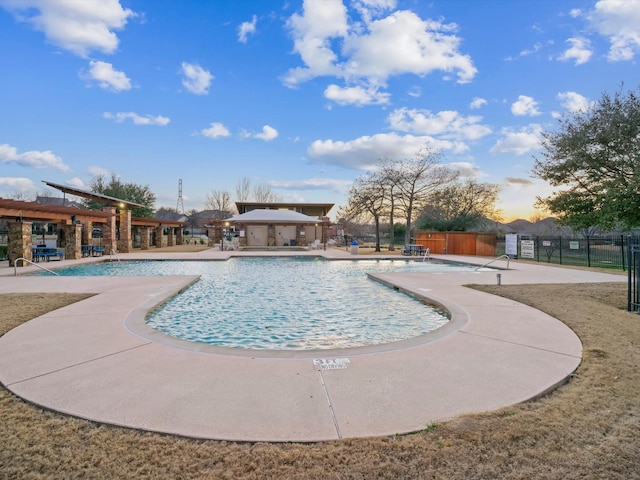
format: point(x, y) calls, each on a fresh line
point(331, 363)
point(511, 244)
point(527, 248)
point(574, 245)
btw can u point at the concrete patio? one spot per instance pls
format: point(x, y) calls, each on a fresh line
point(96, 359)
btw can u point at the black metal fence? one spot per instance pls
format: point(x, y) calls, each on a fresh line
point(609, 252)
point(633, 284)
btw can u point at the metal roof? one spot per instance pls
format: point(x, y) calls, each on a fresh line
point(98, 197)
point(273, 216)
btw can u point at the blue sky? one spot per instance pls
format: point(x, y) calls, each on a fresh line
point(303, 96)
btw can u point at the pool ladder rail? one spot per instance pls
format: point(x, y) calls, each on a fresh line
point(25, 260)
point(113, 252)
point(494, 260)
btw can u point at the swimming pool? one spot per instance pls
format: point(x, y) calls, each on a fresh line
point(286, 303)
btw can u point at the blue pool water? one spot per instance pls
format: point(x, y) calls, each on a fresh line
point(285, 303)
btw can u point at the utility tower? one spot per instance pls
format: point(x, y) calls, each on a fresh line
point(180, 204)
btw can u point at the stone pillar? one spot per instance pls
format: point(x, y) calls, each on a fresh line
point(125, 243)
point(214, 235)
point(271, 235)
point(72, 241)
point(160, 240)
point(145, 238)
point(87, 233)
point(109, 230)
point(170, 238)
point(19, 242)
point(180, 236)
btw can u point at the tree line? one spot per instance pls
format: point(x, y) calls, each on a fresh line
point(420, 189)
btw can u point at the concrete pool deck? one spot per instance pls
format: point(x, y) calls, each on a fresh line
point(88, 360)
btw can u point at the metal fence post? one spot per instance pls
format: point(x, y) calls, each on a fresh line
point(588, 251)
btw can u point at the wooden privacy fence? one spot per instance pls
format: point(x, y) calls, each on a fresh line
point(458, 243)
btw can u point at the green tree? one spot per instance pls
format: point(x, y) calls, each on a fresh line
point(460, 206)
point(594, 160)
point(131, 192)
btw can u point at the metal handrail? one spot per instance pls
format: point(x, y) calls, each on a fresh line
point(495, 259)
point(113, 252)
point(427, 251)
point(15, 266)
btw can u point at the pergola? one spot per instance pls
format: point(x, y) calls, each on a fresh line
point(76, 225)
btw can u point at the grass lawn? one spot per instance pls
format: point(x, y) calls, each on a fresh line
point(586, 428)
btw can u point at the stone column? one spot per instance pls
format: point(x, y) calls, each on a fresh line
point(72, 241)
point(160, 240)
point(170, 238)
point(214, 235)
point(87, 233)
point(145, 238)
point(180, 236)
point(109, 230)
point(271, 235)
point(125, 243)
point(19, 242)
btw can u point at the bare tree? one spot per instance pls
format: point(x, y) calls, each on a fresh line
point(417, 179)
point(220, 201)
point(390, 179)
point(243, 190)
point(264, 194)
point(461, 206)
point(368, 197)
point(261, 193)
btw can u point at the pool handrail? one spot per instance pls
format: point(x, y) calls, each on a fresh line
point(25, 260)
point(113, 252)
point(495, 259)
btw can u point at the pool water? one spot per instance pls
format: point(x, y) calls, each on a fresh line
point(285, 303)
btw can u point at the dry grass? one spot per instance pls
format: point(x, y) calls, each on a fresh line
point(587, 428)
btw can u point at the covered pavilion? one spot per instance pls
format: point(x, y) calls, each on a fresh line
point(76, 225)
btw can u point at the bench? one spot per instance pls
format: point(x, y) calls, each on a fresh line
point(48, 253)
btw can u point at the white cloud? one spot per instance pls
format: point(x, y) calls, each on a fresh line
point(120, 117)
point(372, 51)
point(372, 8)
point(580, 51)
point(77, 26)
point(215, 130)
point(518, 142)
point(268, 134)
point(477, 102)
point(574, 102)
point(619, 21)
point(466, 170)
point(525, 106)
point(356, 95)
point(336, 185)
point(107, 77)
point(197, 80)
point(98, 171)
point(364, 153)
point(448, 124)
point(312, 33)
point(77, 183)
point(33, 159)
point(246, 28)
point(18, 184)
point(404, 43)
